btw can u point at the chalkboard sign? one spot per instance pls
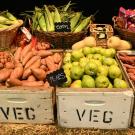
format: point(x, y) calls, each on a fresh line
point(62, 27)
point(56, 78)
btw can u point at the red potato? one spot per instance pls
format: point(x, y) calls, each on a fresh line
point(9, 65)
point(39, 73)
point(5, 74)
point(17, 54)
point(32, 83)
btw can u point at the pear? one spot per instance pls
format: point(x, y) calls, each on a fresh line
point(119, 83)
point(76, 84)
point(113, 42)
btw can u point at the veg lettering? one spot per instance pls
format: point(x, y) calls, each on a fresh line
point(94, 115)
point(18, 113)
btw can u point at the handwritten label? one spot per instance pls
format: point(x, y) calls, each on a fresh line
point(62, 27)
point(57, 77)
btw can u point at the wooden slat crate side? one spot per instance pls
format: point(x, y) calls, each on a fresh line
point(26, 105)
point(89, 109)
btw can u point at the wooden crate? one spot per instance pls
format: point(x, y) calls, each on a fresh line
point(129, 52)
point(94, 108)
point(26, 105)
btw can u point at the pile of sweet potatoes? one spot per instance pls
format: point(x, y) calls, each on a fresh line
point(29, 66)
point(128, 62)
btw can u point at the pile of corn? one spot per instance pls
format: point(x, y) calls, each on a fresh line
point(7, 19)
point(45, 18)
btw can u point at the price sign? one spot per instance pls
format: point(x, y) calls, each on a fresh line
point(62, 27)
point(57, 77)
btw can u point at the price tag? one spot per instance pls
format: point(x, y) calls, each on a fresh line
point(62, 27)
point(57, 77)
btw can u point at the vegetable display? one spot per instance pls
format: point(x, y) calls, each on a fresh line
point(28, 66)
point(44, 19)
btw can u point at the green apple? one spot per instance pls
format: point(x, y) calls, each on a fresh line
point(83, 61)
point(86, 50)
point(109, 53)
point(119, 83)
point(67, 58)
point(76, 63)
point(67, 66)
point(68, 82)
point(76, 84)
point(88, 82)
point(91, 68)
point(76, 72)
point(102, 70)
point(102, 81)
point(108, 61)
point(110, 85)
point(76, 55)
point(89, 56)
point(97, 49)
point(114, 72)
point(67, 72)
point(97, 57)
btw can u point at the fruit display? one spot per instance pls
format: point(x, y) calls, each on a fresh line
point(92, 67)
point(29, 66)
point(128, 62)
point(44, 19)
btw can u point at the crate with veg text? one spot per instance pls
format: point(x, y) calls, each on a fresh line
point(97, 93)
point(26, 96)
point(127, 61)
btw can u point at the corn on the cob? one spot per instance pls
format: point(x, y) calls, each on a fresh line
point(52, 14)
point(48, 14)
point(57, 17)
point(3, 26)
point(83, 24)
point(41, 21)
point(10, 16)
point(74, 20)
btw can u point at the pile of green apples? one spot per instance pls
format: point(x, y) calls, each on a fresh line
point(92, 67)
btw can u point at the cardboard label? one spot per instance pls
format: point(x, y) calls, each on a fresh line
point(57, 77)
point(62, 27)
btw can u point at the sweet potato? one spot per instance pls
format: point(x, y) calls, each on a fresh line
point(46, 84)
point(31, 61)
point(39, 73)
point(9, 65)
point(44, 67)
point(25, 50)
point(1, 66)
point(128, 66)
point(44, 53)
point(4, 74)
point(50, 63)
point(31, 78)
point(32, 83)
point(43, 61)
point(17, 54)
point(13, 82)
point(27, 72)
point(17, 72)
point(28, 56)
point(57, 58)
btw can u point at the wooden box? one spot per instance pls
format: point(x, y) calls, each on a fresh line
point(129, 53)
point(94, 108)
point(26, 105)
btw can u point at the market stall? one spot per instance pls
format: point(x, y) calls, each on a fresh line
point(61, 72)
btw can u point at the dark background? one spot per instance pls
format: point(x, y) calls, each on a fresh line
point(107, 8)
